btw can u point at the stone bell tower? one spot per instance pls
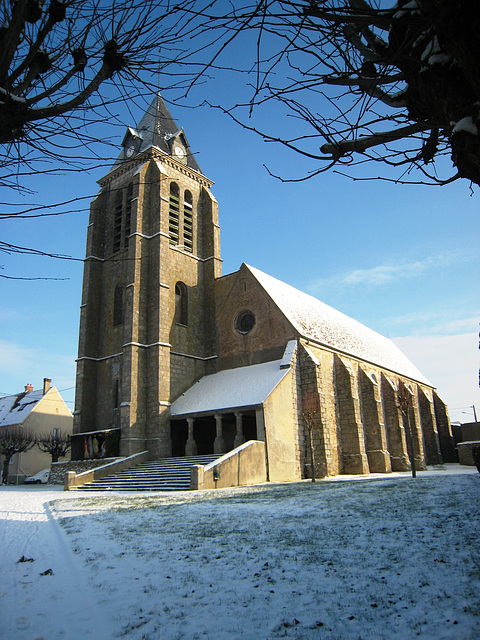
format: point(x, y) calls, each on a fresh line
point(147, 324)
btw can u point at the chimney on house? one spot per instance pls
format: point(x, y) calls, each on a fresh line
point(28, 388)
point(47, 383)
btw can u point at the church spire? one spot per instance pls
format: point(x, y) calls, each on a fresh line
point(157, 128)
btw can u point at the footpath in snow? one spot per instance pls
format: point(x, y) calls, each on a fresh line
point(365, 558)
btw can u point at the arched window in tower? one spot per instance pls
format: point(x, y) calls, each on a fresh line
point(128, 214)
point(117, 221)
point(181, 304)
point(116, 394)
point(174, 213)
point(188, 221)
point(118, 305)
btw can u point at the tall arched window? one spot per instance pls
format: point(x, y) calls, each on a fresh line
point(116, 394)
point(174, 213)
point(118, 305)
point(181, 303)
point(188, 221)
point(117, 221)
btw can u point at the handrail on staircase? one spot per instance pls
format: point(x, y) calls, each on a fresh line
point(72, 479)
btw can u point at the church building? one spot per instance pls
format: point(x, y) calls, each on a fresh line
point(178, 360)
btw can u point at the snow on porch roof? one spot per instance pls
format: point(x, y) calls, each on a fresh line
point(230, 389)
point(317, 321)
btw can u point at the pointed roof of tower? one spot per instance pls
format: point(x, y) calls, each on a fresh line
point(157, 128)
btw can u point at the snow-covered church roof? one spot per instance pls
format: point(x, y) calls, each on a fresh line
point(318, 322)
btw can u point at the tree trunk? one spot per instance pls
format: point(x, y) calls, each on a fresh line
point(6, 462)
point(410, 443)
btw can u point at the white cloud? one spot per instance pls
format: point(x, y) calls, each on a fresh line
point(387, 273)
point(384, 274)
point(441, 322)
point(451, 363)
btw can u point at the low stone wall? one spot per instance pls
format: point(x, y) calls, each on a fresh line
point(465, 455)
point(73, 479)
point(59, 469)
point(243, 466)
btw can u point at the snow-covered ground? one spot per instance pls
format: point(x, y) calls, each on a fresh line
point(364, 559)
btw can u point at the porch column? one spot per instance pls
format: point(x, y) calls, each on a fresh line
point(239, 437)
point(191, 445)
point(219, 443)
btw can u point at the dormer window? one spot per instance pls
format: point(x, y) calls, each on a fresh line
point(178, 146)
point(132, 142)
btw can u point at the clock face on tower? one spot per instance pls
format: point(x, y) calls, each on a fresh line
point(179, 151)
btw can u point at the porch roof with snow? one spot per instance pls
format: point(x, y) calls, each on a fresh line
point(326, 326)
point(233, 389)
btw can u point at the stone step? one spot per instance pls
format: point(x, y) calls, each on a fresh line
point(166, 474)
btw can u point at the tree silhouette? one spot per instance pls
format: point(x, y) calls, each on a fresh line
point(393, 84)
point(13, 440)
point(64, 64)
point(57, 444)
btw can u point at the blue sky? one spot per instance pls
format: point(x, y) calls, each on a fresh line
point(403, 260)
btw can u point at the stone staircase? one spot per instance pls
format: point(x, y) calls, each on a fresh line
point(167, 474)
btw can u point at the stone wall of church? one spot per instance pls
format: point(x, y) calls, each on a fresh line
point(445, 437)
point(235, 294)
point(373, 421)
point(281, 431)
point(318, 405)
point(184, 372)
point(299, 427)
point(356, 423)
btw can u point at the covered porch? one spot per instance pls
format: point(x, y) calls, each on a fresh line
point(223, 410)
point(219, 432)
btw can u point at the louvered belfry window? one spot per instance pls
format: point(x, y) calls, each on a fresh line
point(174, 213)
point(128, 215)
point(188, 221)
point(117, 221)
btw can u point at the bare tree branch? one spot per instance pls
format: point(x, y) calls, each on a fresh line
point(361, 77)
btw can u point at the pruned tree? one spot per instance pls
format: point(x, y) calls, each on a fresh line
point(57, 444)
point(63, 66)
point(391, 83)
point(13, 440)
